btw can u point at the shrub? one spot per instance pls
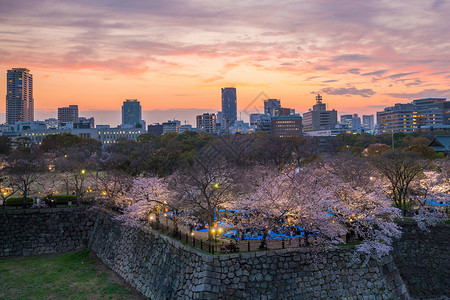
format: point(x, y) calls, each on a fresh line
point(61, 199)
point(18, 201)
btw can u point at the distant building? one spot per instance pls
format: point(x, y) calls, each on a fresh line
point(171, 126)
point(219, 119)
point(271, 106)
point(284, 111)
point(84, 122)
point(445, 108)
point(185, 127)
point(229, 106)
point(397, 118)
point(287, 126)
point(347, 120)
point(420, 113)
point(131, 112)
point(319, 118)
point(240, 127)
point(102, 133)
point(368, 123)
point(19, 96)
point(263, 122)
point(156, 129)
point(68, 114)
point(29, 125)
point(207, 123)
point(52, 123)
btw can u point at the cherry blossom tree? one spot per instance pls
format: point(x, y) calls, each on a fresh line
point(432, 193)
point(147, 195)
point(204, 188)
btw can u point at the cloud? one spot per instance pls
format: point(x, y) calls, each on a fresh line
point(351, 57)
point(399, 75)
point(427, 93)
point(375, 73)
point(353, 71)
point(349, 91)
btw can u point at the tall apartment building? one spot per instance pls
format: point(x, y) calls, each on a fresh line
point(412, 116)
point(131, 112)
point(319, 118)
point(19, 96)
point(271, 106)
point(229, 106)
point(207, 123)
point(287, 126)
point(68, 114)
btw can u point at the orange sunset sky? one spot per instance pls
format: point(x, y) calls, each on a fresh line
point(174, 56)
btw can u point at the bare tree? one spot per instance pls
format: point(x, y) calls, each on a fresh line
point(400, 168)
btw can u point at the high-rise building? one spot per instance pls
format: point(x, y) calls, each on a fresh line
point(68, 114)
point(207, 123)
point(271, 106)
point(319, 118)
point(229, 106)
point(287, 126)
point(19, 96)
point(131, 112)
point(368, 123)
point(347, 121)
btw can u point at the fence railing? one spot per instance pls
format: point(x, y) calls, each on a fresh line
point(219, 245)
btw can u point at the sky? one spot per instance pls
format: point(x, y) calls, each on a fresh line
point(174, 56)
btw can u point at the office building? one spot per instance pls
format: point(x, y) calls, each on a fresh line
point(445, 108)
point(397, 118)
point(84, 122)
point(131, 112)
point(52, 123)
point(319, 118)
point(207, 123)
point(229, 106)
point(19, 96)
point(419, 114)
point(171, 126)
point(68, 114)
point(368, 123)
point(428, 111)
point(263, 122)
point(287, 126)
point(271, 106)
point(156, 129)
point(347, 121)
point(185, 127)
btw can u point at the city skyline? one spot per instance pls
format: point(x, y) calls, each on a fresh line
point(361, 56)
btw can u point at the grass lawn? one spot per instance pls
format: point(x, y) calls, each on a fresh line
point(74, 275)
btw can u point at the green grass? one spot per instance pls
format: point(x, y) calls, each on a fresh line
point(72, 275)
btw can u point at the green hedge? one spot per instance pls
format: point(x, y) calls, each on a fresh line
point(61, 199)
point(18, 201)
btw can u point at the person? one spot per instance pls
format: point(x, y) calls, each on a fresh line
point(223, 248)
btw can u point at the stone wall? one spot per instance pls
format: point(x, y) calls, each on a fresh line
point(39, 231)
point(423, 259)
point(162, 268)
